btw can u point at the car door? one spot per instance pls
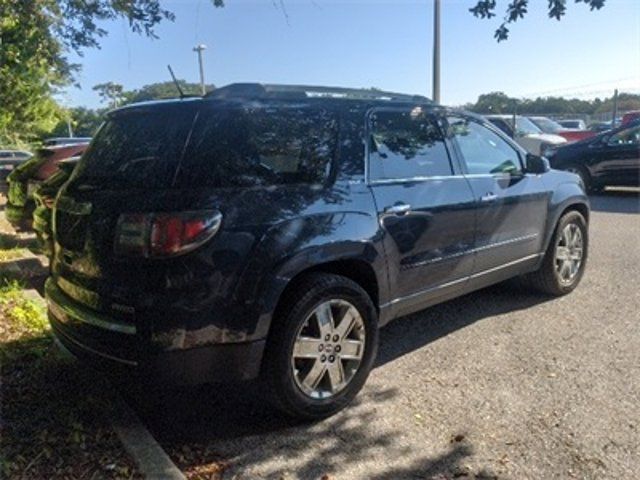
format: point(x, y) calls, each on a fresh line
point(617, 160)
point(511, 205)
point(425, 207)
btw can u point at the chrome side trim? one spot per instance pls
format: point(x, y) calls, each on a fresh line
point(424, 292)
point(507, 265)
point(523, 238)
point(460, 280)
point(502, 243)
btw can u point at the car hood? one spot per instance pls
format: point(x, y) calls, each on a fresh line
point(548, 138)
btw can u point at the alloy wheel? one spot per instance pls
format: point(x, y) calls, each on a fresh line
point(569, 253)
point(328, 349)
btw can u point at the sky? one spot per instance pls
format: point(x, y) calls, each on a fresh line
point(375, 43)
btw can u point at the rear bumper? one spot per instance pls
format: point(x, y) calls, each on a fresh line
point(115, 347)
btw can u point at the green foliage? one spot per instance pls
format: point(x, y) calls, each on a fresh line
point(499, 102)
point(517, 9)
point(35, 37)
point(23, 313)
point(156, 91)
point(31, 67)
point(84, 122)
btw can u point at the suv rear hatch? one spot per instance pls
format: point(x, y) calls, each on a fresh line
point(177, 168)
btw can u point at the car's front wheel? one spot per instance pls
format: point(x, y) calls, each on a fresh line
point(566, 257)
point(321, 347)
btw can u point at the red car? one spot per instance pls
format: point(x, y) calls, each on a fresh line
point(550, 126)
point(630, 116)
point(25, 178)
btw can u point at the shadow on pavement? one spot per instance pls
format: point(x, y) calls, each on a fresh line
point(616, 201)
point(407, 334)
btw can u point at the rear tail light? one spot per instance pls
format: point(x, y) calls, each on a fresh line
point(164, 234)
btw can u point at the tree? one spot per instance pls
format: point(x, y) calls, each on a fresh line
point(112, 93)
point(494, 102)
point(517, 9)
point(156, 91)
point(35, 38)
point(84, 122)
point(499, 102)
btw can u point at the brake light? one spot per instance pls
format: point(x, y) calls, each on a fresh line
point(164, 234)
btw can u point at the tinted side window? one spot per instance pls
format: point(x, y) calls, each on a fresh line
point(630, 136)
point(483, 150)
point(406, 144)
point(263, 146)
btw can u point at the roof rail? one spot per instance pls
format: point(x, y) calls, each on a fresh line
point(258, 90)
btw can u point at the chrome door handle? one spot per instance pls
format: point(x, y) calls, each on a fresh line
point(488, 197)
point(398, 209)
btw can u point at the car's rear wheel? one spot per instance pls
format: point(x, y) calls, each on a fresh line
point(321, 347)
point(565, 259)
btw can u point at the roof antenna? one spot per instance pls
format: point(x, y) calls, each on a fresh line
point(175, 81)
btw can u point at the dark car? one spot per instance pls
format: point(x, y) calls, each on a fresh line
point(27, 177)
point(44, 196)
point(611, 158)
point(269, 231)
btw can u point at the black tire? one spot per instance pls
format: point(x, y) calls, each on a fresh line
point(547, 278)
point(278, 373)
point(582, 172)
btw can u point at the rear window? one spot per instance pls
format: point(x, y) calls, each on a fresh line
point(136, 149)
point(235, 147)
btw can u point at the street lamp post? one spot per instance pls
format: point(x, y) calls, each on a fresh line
point(436, 51)
point(199, 48)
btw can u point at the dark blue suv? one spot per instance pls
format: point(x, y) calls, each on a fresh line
point(268, 231)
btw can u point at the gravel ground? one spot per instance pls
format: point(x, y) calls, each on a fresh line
point(501, 383)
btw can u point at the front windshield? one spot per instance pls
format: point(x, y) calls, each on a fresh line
point(547, 125)
point(524, 126)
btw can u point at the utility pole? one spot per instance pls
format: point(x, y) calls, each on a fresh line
point(436, 51)
point(615, 108)
point(199, 48)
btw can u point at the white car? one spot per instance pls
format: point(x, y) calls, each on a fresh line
point(527, 134)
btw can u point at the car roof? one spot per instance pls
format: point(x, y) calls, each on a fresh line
point(501, 115)
point(251, 92)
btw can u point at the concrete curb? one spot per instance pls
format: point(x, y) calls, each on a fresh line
point(152, 460)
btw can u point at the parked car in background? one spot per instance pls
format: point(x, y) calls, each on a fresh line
point(44, 196)
point(611, 158)
point(599, 127)
point(271, 230)
point(551, 126)
point(25, 178)
point(576, 124)
point(630, 117)
point(9, 159)
point(52, 142)
point(526, 133)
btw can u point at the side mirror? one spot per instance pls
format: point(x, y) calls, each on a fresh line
point(536, 164)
